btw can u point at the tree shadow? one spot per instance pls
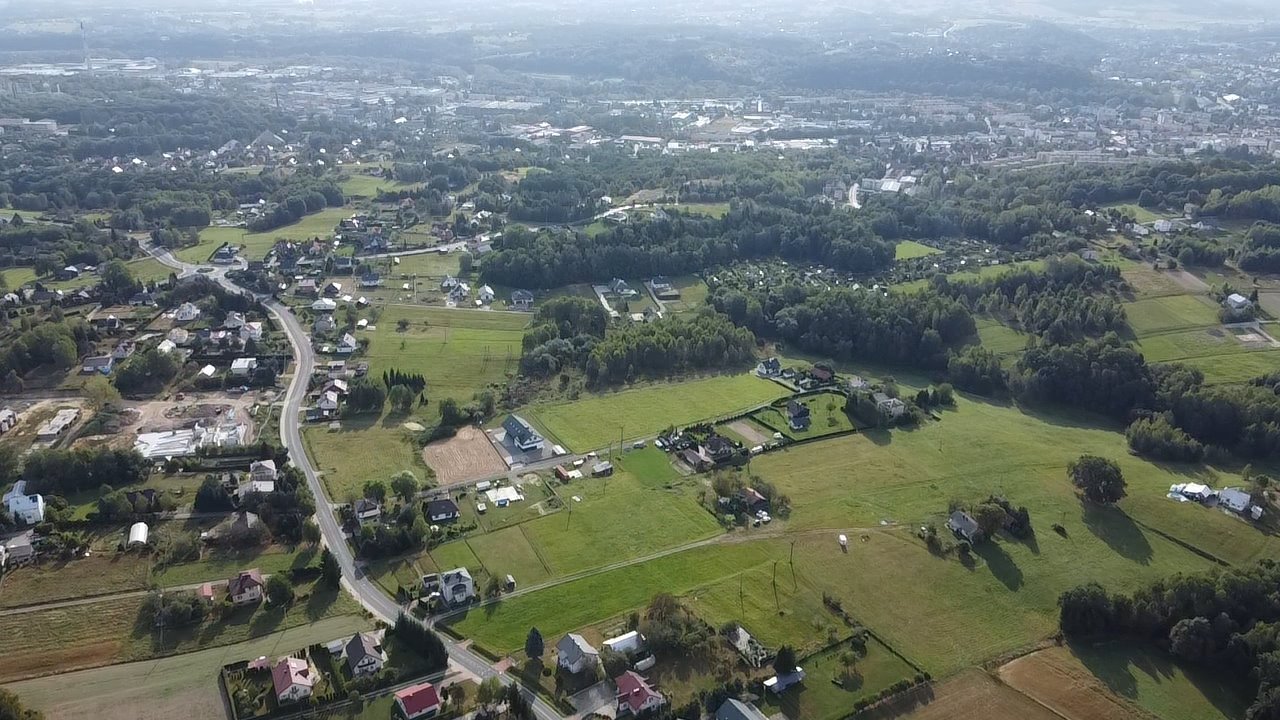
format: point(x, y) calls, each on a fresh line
point(1114, 527)
point(266, 621)
point(1069, 418)
point(319, 602)
point(877, 435)
point(1001, 563)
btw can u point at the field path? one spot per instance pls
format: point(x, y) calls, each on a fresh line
point(23, 609)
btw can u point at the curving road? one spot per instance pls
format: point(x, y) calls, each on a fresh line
point(357, 583)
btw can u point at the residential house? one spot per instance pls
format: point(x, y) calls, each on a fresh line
point(344, 264)
point(246, 588)
point(70, 272)
point(99, 364)
point(166, 346)
point(521, 299)
point(142, 299)
point(224, 255)
point(24, 507)
point(575, 654)
point(822, 374)
point(663, 288)
point(779, 683)
point(370, 280)
point(250, 487)
point(251, 331)
point(293, 679)
point(719, 449)
point(449, 283)
point(696, 458)
point(770, 367)
point(520, 434)
point(8, 419)
point(1235, 499)
point(366, 510)
point(324, 305)
point(324, 324)
point(751, 500)
point(798, 417)
point(124, 349)
point(333, 288)
point(19, 549)
point(337, 385)
point(263, 471)
point(307, 287)
point(619, 287)
point(364, 655)
point(347, 344)
point(485, 294)
point(1237, 303)
point(179, 336)
point(626, 643)
point(635, 696)
point(1197, 492)
point(888, 407)
point(243, 367)
point(418, 701)
point(964, 526)
point(455, 587)
point(460, 292)
point(233, 321)
point(186, 312)
point(444, 510)
point(328, 402)
point(734, 709)
point(602, 469)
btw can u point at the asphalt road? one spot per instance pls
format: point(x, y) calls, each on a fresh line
point(357, 583)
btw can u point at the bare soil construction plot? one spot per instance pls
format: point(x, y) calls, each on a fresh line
point(1052, 678)
point(750, 431)
point(466, 456)
point(971, 695)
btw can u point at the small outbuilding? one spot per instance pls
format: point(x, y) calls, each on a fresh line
point(138, 534)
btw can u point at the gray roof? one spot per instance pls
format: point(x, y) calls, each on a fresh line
point(573, 647)
point(732, 709)
point(360, 646)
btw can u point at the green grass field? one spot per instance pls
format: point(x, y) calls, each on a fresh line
point(1139, 213)
point(225, 565)
point(459, 352)
point(715, 210)
point(985, 271)
point(256, 245)
point(826, 414)
point(1000, 338)
point(910, 249)
point(1179, 345)
point(822, 699)
point(368, 186)
point(143, 269)
point(1175, 312)
point(597, 420)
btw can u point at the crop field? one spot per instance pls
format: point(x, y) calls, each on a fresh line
point(597, 420)
point(910, 249)
point(459, 352)
point(109, 632)
point(174, 686)
point(100, 574)
point(1175, 312)
point(1084, 682)
point(1235, 368)
point(974, 695)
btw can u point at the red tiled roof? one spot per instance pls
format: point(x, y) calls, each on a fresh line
point(418, 698)
point(634, 691)
point(289, 672)
point(244, 581)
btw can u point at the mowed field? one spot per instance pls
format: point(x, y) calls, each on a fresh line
point(910, 249)
point(459, 352)
point(972, 695)
point(177, 686)
point(597, 420)
point(101, 574)
point(256, 245)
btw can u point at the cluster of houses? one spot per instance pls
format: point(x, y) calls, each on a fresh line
point(700, 452)
point(1236, 500)
point(633, 694)
point(294, 678)
point(331, 386)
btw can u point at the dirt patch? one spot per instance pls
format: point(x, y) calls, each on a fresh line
point(466, 456)
point(971, 695)
point(749, 432)
point(71, 657)
point(1055, 679)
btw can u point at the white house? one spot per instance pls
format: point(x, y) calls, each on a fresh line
point(246, 588)
point(485, 294)
point(242, 367)
point(575, 654)
point(364, 654)
point(166, 346)
point(455, 587)
point(262, 487)
point(179, 336)
point(1238, 302)
point(25, 508)
point(635, 697)
point(234, 321)
point(626, 643)
point(251, 331)
point(328, 401)
point(293, 679)
point(347, 344)
point(889, 407)
point(366, 510)
point(324, 305)
point(1235, 499)
point(263, 471)
point(186, 312)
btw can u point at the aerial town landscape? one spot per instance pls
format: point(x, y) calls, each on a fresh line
point(372, 360)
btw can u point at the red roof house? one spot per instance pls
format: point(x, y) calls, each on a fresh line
point(418, 701)
point(634, 694)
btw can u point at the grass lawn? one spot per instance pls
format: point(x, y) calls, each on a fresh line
point(143, 269)
point(985, 271)
point(1237, 367)
point(821, 698)
point(256, 245)
point(693, 293)
point(1139, 213)
point(1179, 345)
point(223, 565)
point(715, 210)
point(597, 420)
point(109, 632)
point(1000, 338)
point(100, 574)
point(1174, 312)
point(826, 414)
point(368, 185)
point(175, 686)
point(459, 352)
point(1149, 678)
point(910, 249)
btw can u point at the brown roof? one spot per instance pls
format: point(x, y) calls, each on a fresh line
point(244, 581)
